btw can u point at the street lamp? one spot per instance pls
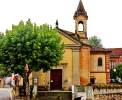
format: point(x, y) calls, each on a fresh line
point(114, 69)
point(27, 91)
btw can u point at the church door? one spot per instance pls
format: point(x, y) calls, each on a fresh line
point(56, 79)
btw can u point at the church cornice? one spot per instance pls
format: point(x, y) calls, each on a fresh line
point(71, 36)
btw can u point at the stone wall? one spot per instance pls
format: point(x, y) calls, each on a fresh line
point(108, 92)
point(112, 96)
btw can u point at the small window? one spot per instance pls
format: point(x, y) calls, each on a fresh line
point(100, 61)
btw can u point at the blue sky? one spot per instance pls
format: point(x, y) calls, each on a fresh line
point(104, 16)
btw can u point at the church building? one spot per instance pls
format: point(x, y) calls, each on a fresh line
point(82, 64)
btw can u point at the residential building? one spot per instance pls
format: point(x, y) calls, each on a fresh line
point(115, 57)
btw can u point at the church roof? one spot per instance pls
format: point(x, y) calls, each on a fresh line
point(98, 49)
point(72, 35)
point(80, 10)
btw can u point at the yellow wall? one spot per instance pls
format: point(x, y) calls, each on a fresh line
point(68, 70)
point(68, 60)
point(66, 40)
point(94, 62)
point(98, 72)
point(40, 76)
point(99, 77)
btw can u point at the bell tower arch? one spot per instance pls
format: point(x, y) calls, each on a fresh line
point(81, 18)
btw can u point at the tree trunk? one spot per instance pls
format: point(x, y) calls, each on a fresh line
point(26, 86)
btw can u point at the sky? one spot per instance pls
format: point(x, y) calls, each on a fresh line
point(104, 16)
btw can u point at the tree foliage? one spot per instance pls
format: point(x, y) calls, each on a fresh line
point(94, 41)
point(113, 74)
point(116, 74)
point(4, 71)
point(119, 71)
point(38, 46)
point(1, 35)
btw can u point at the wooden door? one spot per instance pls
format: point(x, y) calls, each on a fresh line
point(56, 79)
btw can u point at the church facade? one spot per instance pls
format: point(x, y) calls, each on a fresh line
point(82, 64)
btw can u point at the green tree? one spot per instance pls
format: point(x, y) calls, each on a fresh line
point(116, 73)
point(4, 71)
point(119, 71)
point(1, 35)
point(94, 41)
point(39, 47)
point(113, 74)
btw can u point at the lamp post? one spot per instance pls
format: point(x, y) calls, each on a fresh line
point(27, 91)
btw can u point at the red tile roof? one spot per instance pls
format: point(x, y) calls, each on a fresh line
point(97, 49)
point(116, 52)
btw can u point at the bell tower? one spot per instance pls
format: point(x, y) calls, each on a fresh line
point(80, 18)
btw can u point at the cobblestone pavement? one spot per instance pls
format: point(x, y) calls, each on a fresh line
point(6, 94)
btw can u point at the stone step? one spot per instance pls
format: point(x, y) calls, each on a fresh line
point(54, 95)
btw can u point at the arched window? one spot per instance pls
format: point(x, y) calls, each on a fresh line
point(80, 26)
point(100, 61)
